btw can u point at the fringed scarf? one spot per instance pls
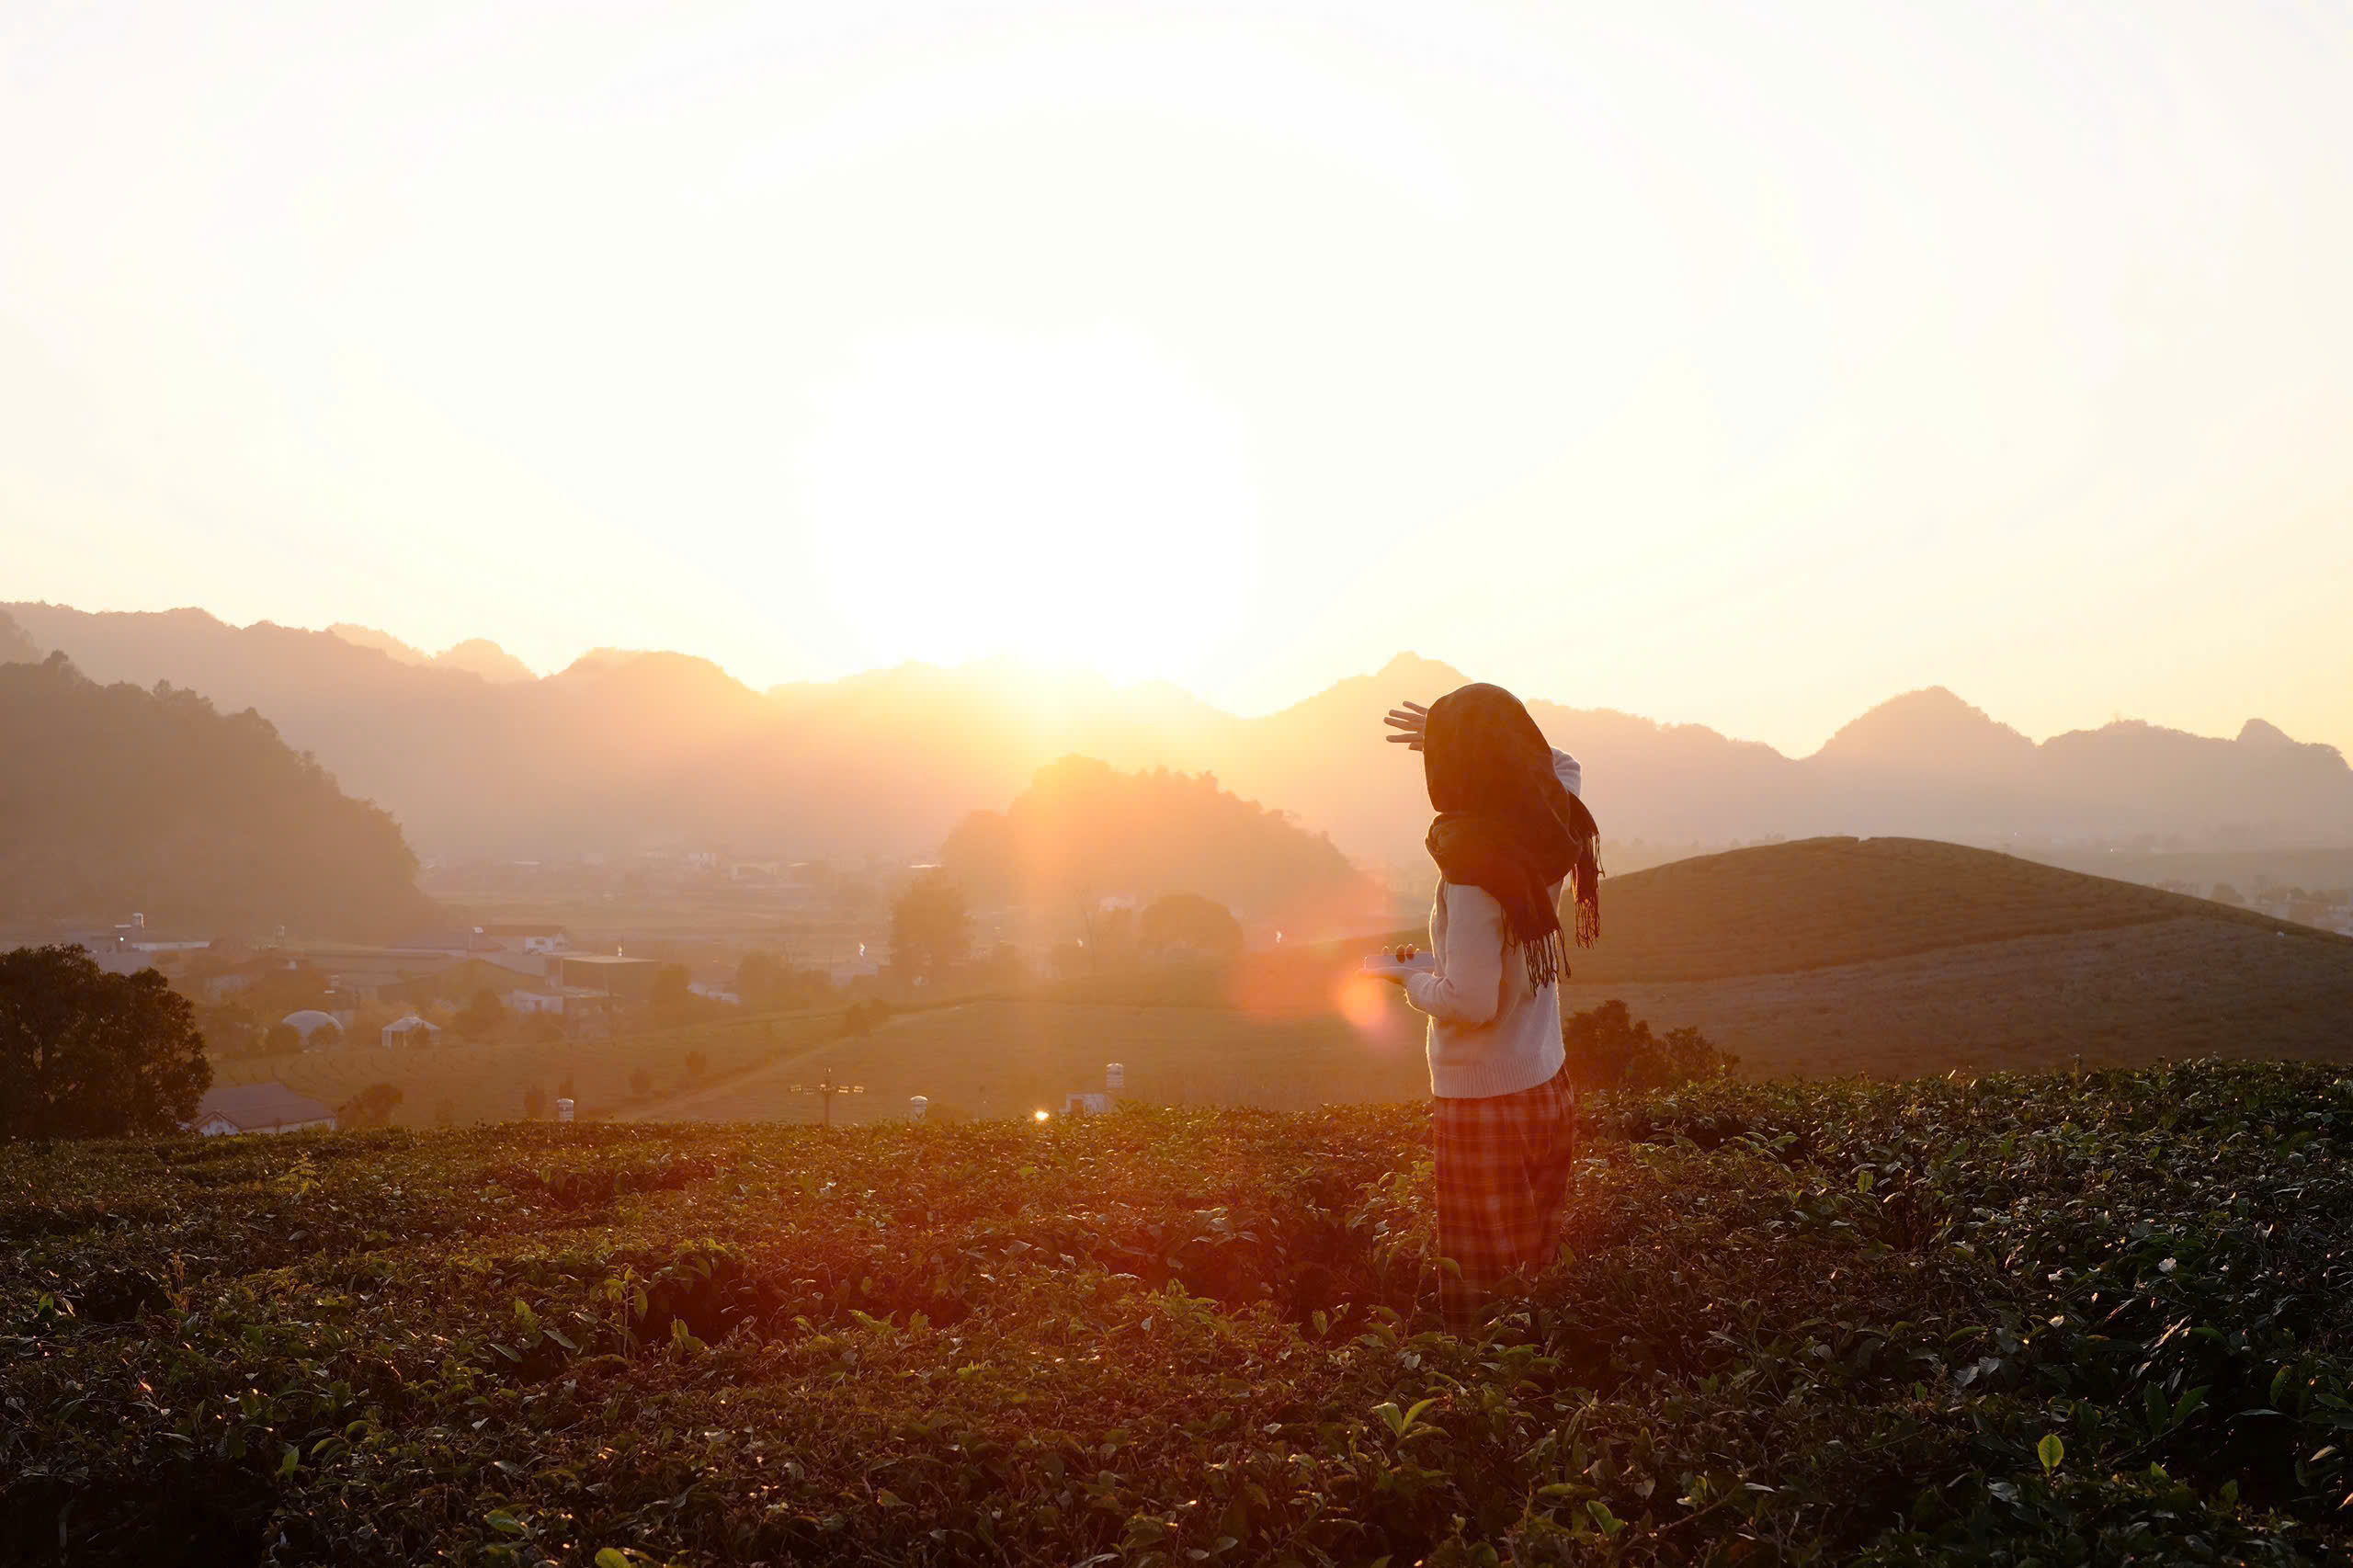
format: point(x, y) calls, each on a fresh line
point(1507, 825)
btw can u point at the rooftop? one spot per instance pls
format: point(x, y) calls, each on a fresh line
point(251, 1105)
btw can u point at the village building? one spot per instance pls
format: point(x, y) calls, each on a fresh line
point(257, 1107)
point(525, 936)
point(411, 1031)
point(630, 979)
point(319, 1030)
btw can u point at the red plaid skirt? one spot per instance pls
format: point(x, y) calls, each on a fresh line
point(1503, 1184)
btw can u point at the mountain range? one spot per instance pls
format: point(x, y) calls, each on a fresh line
point(625, 750)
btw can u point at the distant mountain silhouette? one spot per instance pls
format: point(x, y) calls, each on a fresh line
point(15, 648)
point(115, 799)
point(624, 749)
point(478, 655)
point(1930, 730)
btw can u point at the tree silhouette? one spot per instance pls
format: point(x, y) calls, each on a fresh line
point(668, 997)
point(372, 1107)
point(1608, 1048)
point(1188, 921)
point(931, 930)
point(484, 1018)
point(88, 1054)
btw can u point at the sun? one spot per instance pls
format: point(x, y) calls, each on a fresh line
point(1074, 501)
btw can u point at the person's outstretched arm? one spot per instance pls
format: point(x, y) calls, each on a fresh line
point(1470, 990)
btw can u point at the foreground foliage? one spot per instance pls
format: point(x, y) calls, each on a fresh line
point(88, 1054)
point(2045, 1319)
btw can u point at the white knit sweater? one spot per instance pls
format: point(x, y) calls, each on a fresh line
point(1490, 1032)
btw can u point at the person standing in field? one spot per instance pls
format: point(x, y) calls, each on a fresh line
point(1511, 830)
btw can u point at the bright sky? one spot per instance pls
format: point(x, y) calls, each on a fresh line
point(1740, 365)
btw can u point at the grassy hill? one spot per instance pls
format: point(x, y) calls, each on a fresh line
point(2046, 1319)
point(1825, 901)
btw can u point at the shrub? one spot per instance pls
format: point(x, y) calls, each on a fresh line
point(1608, 1048)
point(372, 1107)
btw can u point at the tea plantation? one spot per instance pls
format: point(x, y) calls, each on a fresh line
point(2042, 1319)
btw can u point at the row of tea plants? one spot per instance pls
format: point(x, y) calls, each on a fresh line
point(2048, 1319)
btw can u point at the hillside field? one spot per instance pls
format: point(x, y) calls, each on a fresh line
point(463, 1084)
point(2055, 1318)
point(1819, 902)
point(1893, 958)
point(1002, 1057)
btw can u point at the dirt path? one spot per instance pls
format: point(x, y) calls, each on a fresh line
point(686, 1105)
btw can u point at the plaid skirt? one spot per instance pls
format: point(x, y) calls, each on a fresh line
point(1503, 1184)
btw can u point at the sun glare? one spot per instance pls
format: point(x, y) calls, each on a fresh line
point(1066, 501)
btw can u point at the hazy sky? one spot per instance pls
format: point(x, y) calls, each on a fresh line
point(1741, 364)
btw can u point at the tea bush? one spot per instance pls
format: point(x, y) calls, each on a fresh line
point(2058, 1319)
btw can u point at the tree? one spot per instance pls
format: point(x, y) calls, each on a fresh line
point(1608, 1048)
point(230, 1031)
point(1188, 922)
point(281, 1039)
point(931, 930)
point(2225, 894)
point(669, 998)
point(372, 1107)
point(88, 1054)
point(485, 1016)
point(768, 983)
point(535, 1104)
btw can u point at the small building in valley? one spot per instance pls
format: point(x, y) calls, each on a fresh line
point(411, 1031)
point(257, 1107)
point(319, 1030)
point(630, 979)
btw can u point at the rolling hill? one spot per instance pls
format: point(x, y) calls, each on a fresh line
point(1891, 957)
point(1826, 901)
point(115, 799)
point(627, 750)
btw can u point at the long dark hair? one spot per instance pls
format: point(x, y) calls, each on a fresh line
point(1507, 825)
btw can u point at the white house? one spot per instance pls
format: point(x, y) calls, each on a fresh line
point(526, 1003)
point(715, 991)
point(411, 1031)
point(257, 1107)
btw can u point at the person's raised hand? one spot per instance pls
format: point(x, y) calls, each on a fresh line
point(1409, 720)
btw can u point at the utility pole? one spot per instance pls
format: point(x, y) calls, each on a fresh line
point(825, 1090)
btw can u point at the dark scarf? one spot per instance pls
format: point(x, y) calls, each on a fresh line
point(1507, 825)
